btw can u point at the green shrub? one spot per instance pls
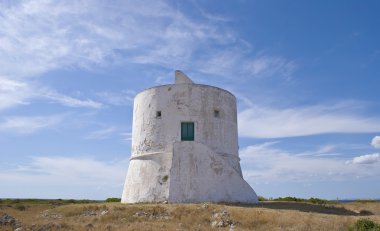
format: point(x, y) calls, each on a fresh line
point(321, 201)
point(113, 199)
point(366, 201)
point(289, 199)
point(311, 200)
point(261, 198)
point(365, 224)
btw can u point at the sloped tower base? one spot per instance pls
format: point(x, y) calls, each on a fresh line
point(191, 173)
point(198, 175)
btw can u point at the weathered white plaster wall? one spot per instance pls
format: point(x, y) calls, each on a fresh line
point(198, 174)
point(153, 140)
point(181, 103)
point(148, 178)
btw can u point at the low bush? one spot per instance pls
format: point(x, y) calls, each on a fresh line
point(310, 200)
point(320, 201)
point(113, 199)
point(261, 198)
point(365, 224)
point(290, 199)
point(366, 201)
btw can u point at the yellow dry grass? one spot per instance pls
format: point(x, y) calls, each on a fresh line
point(116, 216)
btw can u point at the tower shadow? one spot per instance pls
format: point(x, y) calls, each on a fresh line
point(314, 208)
point(332, 209)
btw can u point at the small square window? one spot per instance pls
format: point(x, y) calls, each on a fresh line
point(158, 114)
point(216, 113)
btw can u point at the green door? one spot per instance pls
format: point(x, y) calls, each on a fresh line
point(187, 131)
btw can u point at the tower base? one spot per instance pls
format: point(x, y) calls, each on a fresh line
point(191, 173)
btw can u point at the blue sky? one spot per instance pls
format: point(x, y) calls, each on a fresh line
point(306, 76)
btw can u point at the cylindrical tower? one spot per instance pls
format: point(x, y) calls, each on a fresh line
point(172, 123)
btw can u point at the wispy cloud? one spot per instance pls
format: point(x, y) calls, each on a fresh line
point(326, 149)
point(70, 101)
point(13, 93)
point(231, 63)
point(101, 134)
point(211, 16)
point(376, 142)
point(266, 65)
point(270, 164)
point(28, 125)
point(82, 168)
point(122, 98)
point(126, 136)
point(266, 122)
point(40, 36)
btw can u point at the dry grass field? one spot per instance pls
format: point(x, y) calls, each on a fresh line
point(115, 216)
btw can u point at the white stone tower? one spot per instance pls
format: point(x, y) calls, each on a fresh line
point(185, 146)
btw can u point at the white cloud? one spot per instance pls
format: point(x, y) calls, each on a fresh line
point(268, 164)
point(376, 142)
point(101, 134)
point(28, 125)
point(266, 122)
point(66, 177)
point(367, 159)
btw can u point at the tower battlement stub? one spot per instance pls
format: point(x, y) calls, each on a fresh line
point(180, 78)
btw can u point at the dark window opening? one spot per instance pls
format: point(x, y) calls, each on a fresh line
point(187, 131)
point(216, 113)
point(158, 114)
